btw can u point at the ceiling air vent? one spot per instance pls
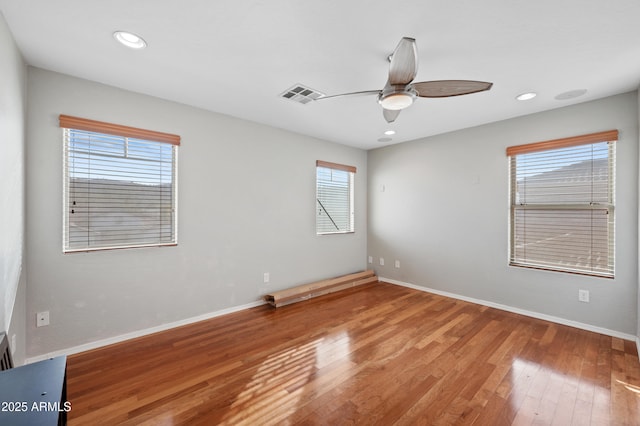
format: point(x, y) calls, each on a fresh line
point(301, 94)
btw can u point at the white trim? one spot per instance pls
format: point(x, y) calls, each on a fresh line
point(524, 312)
point(140, 333)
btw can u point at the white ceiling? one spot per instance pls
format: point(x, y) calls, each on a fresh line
point(237, 56)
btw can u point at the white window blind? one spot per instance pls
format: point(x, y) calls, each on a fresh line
point(119, 191)
point(562, 204)
point(334, 198)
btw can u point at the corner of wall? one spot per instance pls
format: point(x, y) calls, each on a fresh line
point(638, 241)
point(17, 330)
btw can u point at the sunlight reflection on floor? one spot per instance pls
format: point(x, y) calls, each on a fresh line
point(632, 388)
point(275, 389)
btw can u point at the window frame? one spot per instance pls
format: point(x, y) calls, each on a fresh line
point(126, 133)
point(611, 138)
point(351, 170)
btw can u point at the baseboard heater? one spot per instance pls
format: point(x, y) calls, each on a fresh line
point(319, 288)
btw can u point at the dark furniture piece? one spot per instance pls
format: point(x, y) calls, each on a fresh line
point(35, 394)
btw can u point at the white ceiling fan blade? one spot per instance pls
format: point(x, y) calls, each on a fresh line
point(404, 62)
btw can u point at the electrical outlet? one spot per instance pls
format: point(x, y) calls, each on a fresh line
point(382, 261)
point(397, 264)
point(370, 259)
point(583, 296)
point(265, 277)
point(42, 319)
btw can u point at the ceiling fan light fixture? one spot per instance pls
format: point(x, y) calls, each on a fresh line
point(396, 101)
point(130, 40)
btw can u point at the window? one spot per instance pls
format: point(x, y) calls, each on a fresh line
point(334, 198)
point(120, 186)
point(562, 204)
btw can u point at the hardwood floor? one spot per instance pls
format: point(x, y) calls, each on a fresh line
point(377, 354)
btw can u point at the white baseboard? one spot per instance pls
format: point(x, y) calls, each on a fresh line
point(127, 336)
point(524, 312)
point(140, 333)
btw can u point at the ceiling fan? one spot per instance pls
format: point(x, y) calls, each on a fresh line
point(400, 92)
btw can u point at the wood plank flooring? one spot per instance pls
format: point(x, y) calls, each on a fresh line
point(377, 354)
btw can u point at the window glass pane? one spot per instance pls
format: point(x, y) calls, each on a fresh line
point(570, 175)
point(562, 211)
point(571, 240)
point(334, 212)
point(119, 192)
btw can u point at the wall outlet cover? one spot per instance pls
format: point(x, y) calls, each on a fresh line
point(583, 296)
point(42, 319)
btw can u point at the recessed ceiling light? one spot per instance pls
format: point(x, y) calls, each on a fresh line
point(130, 40)
point(526, 96)
point(390, 132)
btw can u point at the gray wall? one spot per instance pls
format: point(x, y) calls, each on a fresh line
point(440, 205)
point(12, 184)
point(246, 206)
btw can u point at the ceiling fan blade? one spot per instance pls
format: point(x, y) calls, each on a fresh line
point(362, 93)
point(391, 115)
point(446, 88)
point(404, 62)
